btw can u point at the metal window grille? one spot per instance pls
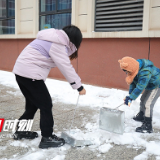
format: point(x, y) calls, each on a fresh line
point(118, 15)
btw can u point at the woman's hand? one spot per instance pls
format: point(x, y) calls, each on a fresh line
point(82, 92)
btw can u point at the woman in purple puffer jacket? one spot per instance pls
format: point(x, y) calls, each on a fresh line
point(52, 48)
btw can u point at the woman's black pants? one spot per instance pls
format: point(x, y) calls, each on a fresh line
point(37, 97)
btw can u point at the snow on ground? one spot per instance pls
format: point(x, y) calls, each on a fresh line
point(96, 97)
point(40, 154)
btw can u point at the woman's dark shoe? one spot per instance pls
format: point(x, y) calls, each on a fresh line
point(25, 134)
point(139, 117)
point(52, 141)
point(146, 126)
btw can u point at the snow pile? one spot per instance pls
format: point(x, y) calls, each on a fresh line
point(103, 140)
point(59, 157)
point(142, 156)
point(62, 91)
point(104, 148)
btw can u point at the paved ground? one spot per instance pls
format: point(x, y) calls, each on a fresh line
point(12, 107)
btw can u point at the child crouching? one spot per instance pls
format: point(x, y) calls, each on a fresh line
point(142, 75)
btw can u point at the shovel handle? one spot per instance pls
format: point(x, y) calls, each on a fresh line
point(119, 106)
point(74, 114)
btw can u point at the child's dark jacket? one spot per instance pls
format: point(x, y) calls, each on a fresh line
point(147, 78)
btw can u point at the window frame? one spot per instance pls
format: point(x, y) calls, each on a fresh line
point(7, 17)
point(56, 11)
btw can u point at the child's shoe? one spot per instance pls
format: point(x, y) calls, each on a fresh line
point(139, 117)
point(25, 134)
point(146, 126)
point(52, 141)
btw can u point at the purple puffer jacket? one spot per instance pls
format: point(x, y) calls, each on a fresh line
point(50, 49)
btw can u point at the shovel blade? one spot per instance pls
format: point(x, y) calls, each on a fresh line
point(74, 142)
point(68, 139)
point(112, 120)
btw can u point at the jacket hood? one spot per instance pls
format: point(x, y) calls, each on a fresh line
point(57, 36)
point(131, 65)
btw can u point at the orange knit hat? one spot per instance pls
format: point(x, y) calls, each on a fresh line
point(130, 64)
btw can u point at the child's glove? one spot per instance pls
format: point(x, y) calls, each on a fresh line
point(127, 101)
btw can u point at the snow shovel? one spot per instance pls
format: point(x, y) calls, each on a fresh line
point(70, 139)
point(112, 120)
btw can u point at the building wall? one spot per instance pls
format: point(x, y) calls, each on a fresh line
point(26, 20)
point(83, 15)
point(98, 58)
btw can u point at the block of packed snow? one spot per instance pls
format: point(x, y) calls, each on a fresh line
point(112, 120)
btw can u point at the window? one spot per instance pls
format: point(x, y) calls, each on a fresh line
point(55, 13)
point(7, 16)
point(115, 15)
